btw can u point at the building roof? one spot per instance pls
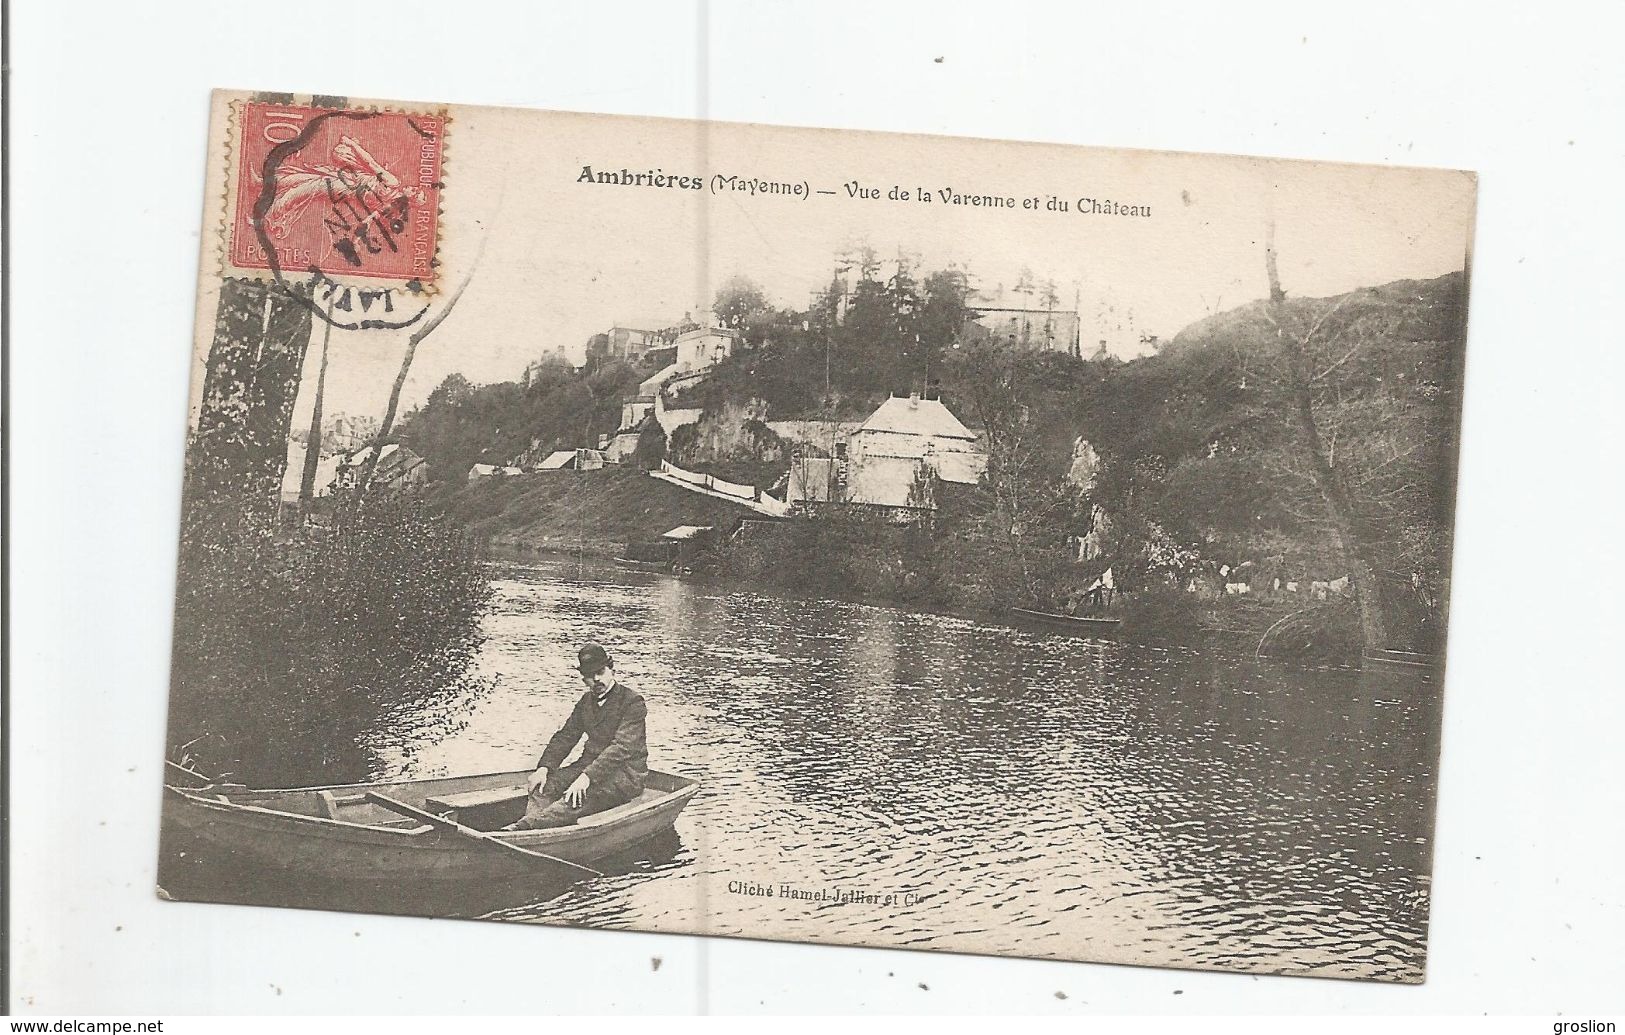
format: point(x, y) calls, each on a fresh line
point(912, 415)
point(394, 461)
point(558, 460)
point(685, 531)
point(1018, 309)
point(360, 456)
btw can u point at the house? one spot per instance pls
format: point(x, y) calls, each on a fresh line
point(704, 347)
point(479, 471)
point(814, 479)
point(622, 445)
point(629, 343)
point(573, 460)
point(1043, 330)
point(895, 482)
point(635, 409)
point(342, 433)
point(913, 428)
point(397, 468)
point(895, 460)
point(1015, 321)
point(901, 489)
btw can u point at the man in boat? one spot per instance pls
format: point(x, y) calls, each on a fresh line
point(613, 765)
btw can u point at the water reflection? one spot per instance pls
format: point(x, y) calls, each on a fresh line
point(1037, 795)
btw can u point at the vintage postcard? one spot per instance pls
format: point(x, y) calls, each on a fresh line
point(824, 536)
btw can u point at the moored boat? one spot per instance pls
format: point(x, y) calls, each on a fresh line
point(661, 567)
point(1424, 665)
point(1073, 622)
point(445, 834)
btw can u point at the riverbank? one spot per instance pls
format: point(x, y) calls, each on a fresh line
point(1218, 631)
point(594, 514)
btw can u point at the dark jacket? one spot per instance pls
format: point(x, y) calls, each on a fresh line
point(616, 750)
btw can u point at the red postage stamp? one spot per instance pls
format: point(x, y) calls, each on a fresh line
point(334, 191)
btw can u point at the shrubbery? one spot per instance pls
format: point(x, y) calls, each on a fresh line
point(1324, 633)
point(1159, 612)
point(300, 652)
point(843, 556)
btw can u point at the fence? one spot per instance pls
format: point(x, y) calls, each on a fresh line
point(749, 495)
point(707, 481)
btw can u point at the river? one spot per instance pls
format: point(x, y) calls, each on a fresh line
point(1015, 792)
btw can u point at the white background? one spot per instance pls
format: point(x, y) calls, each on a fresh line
point(109, 104)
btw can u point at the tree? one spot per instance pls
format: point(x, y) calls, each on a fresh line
point(412, 344)
point(313, 439)
point(1303, 340)
point(738, 301)
point(251, 378)
point(1027, 507)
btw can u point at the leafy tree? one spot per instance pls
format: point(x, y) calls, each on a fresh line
point(739, 301)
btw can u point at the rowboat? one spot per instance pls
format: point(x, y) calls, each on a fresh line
point(1377, 660)
point(439, 832)
point(660, 567)
point(1074, 622)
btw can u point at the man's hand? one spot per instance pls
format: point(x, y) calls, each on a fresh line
point(576, 793)
point(536, 779)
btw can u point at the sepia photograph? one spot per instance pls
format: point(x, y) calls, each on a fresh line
point(824, 536)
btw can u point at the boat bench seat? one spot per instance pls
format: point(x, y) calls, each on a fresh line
point(474, 799)
point(485, 808)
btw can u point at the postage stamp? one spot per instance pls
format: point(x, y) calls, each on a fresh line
point(339, 193)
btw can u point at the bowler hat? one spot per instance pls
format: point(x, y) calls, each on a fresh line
point(592, 659)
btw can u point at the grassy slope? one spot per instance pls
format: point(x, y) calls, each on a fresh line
point(601, 511)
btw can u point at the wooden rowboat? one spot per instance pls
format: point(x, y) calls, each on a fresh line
point(660, 567)
point(1425, 666)
point(1074, 622)
point(341, 833)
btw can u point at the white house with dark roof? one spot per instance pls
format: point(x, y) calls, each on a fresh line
point(892, 459)
point(398, 468)
point(912, 428)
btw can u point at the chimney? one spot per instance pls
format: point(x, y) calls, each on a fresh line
point(914, 400)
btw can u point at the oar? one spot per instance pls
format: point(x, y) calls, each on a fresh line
point(191, 774)
point(442, 823)
point(206, 784)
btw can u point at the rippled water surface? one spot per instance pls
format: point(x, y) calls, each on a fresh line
point(1016, 792)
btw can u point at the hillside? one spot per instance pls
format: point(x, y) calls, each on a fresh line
point(1430, 311)
point(1204, 463)
point(598, 512)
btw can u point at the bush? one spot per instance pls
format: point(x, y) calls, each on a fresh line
point(651, 447)
point(300, 653)
point(1159, 613)
point(1326, 633)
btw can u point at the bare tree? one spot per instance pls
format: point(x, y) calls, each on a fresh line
point(1300, 342)
point(313, 441)
point(1030, 509)
point(412, 344)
